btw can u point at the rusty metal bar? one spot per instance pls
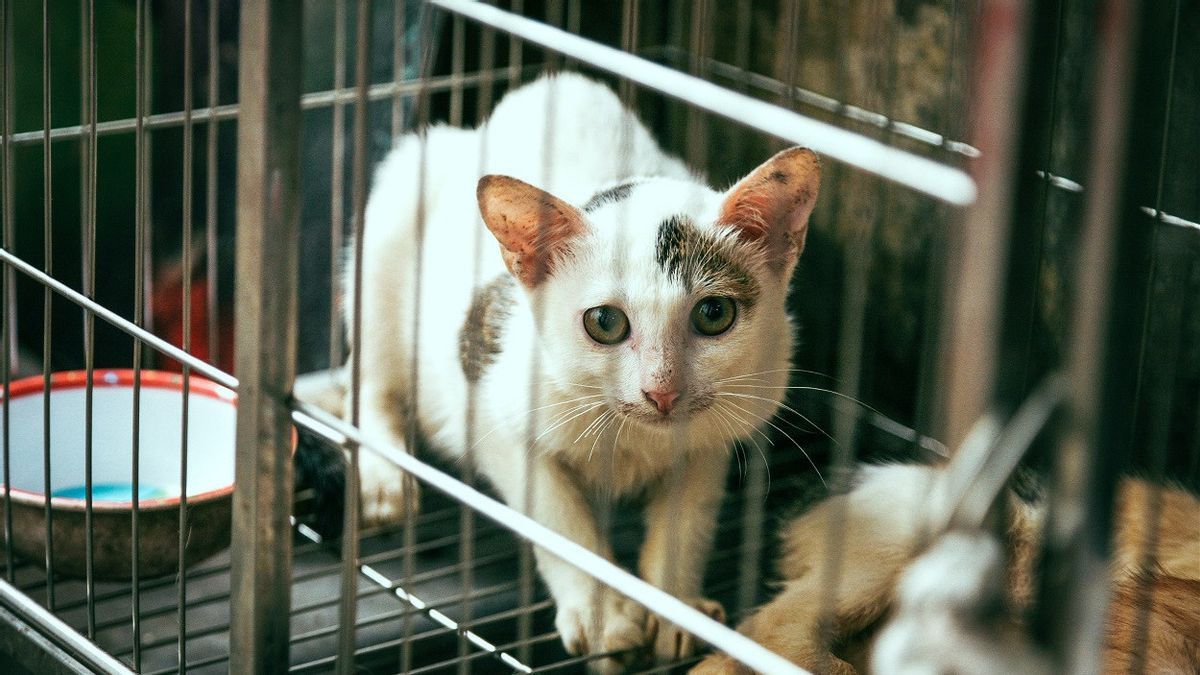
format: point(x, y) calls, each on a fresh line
point(1114, 247)
point(9, 291)
point(212, 271)
point(139, 319)
point(47, 297)
point(181, 643)
point(269, 84)
point(87, 210)
point(348, 609)
point(337, 180)
point(974, 252)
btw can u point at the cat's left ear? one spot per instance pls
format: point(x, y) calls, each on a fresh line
point(772, 204)
point(533, 226)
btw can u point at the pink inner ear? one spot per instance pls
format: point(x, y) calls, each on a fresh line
point(749, 210)
point(772, 204)
point(530, 224)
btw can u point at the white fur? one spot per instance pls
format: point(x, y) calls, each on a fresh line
point(938, 626)
point(571, 137)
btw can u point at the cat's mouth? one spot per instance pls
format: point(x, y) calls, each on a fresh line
point(686, 410)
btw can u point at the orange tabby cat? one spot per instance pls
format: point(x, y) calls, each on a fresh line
point(886, 515)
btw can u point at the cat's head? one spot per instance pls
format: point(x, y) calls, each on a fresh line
point(663, 297)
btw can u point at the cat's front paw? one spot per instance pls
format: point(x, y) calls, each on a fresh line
point(386, 494)
point(671, 642)
point(603, 622)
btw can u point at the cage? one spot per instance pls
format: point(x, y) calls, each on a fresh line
point(1001, 273)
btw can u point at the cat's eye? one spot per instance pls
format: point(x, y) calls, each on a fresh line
point(606, 324)
point(713, 315)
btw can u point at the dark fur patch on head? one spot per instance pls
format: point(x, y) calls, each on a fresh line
point(699, 259)
point(481, 333)
point(610, 196)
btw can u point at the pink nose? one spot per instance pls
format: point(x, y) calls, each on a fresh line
point(663, 400)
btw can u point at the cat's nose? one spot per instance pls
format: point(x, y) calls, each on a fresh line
point(663, 400)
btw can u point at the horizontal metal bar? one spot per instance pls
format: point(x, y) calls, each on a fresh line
point(27, 650)
point(389, 645)
point(1169, 219)
point(776, 88)
point(63, 635)
point(475, 656)
point(1069, 185)
point(310, 101)
point(124, 325)
point(919, 173)
point(653, 598)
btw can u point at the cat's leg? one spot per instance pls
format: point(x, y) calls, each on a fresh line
point(680, 524)
point(880, 522)
point(591, 617)
point(386, 493)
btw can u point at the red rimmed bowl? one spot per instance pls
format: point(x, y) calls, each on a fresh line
point(212, 415)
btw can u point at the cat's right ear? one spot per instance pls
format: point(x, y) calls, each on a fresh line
point(532, 225)
point(771, 206)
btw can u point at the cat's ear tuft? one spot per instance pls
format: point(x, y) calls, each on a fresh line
point(772, 204)
point(532, 225)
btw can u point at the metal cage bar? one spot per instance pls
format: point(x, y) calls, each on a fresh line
point(272, 555)
point(268, 208)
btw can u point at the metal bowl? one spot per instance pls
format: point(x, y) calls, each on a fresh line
point(211, 425)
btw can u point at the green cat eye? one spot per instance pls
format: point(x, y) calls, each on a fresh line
point(606, 324)
point(713, 315)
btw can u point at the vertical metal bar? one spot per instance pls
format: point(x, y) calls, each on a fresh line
point(8, 294)
point(337, 171)
point(515, 50)
point(1114, 244)
point(185, 394)
point(139, 318)
point(348, 608)
point(574, 20)
point(148, 280)
point(554, 17)
point(973, 281)
point(697, 120)
point(88, 211)
point(457, 58)
point(399, 43)
point(466, 526)
point(749, 560)
point(269, 86)
point(630, 12)
point(212, 270)
point(410, 431)
point(47, 298)
point(925, 410)
point(1167, 353)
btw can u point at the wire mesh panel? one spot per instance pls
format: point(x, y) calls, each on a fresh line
point(998, 277)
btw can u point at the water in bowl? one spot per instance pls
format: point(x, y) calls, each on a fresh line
point(113, 492)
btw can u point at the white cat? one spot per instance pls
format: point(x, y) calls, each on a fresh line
point(628, 327)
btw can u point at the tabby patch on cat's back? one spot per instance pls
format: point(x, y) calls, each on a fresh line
point(480, 339)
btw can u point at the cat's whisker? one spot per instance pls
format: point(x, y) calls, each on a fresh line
point(572, 384)
point(817, 389)
point(600, 433)
point(786, 435)
point(785, 407)
point(782, 370)
point(620, 428)
point(530, 412)
point(733, 440)
point(587, 408)
point(594, 423)
point(750, 437)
